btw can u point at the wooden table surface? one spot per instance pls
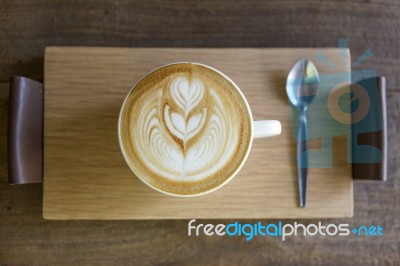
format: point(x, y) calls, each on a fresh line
point(27, 27)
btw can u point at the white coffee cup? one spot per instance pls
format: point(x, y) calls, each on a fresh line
point(157, 168)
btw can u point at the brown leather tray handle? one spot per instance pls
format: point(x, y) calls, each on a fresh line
point(25, 134)
point(25, 131)
point(377, 139)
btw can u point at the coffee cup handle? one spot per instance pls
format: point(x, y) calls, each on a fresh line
point(266, 128)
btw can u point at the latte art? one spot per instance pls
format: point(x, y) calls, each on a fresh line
point(184, 129)
point(186, 95)
point(182, 143)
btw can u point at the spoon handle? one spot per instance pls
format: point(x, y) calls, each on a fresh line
point(302, 157)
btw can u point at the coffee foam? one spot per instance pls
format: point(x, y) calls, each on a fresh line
point(185, 129)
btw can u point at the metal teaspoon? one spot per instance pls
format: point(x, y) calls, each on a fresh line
point(301, 88)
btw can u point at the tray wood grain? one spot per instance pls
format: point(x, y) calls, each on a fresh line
point(85, 175)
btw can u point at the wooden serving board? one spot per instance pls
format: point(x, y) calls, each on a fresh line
point(86, 177)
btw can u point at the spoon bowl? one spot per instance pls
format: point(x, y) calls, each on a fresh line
point(302, 83)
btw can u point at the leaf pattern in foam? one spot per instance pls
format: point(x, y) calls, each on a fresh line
point(187, 95)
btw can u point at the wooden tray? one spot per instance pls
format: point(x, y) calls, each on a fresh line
point(85, 175)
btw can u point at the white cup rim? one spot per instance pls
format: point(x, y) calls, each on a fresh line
point(227, 180)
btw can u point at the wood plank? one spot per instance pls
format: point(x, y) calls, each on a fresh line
point(85, 176)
